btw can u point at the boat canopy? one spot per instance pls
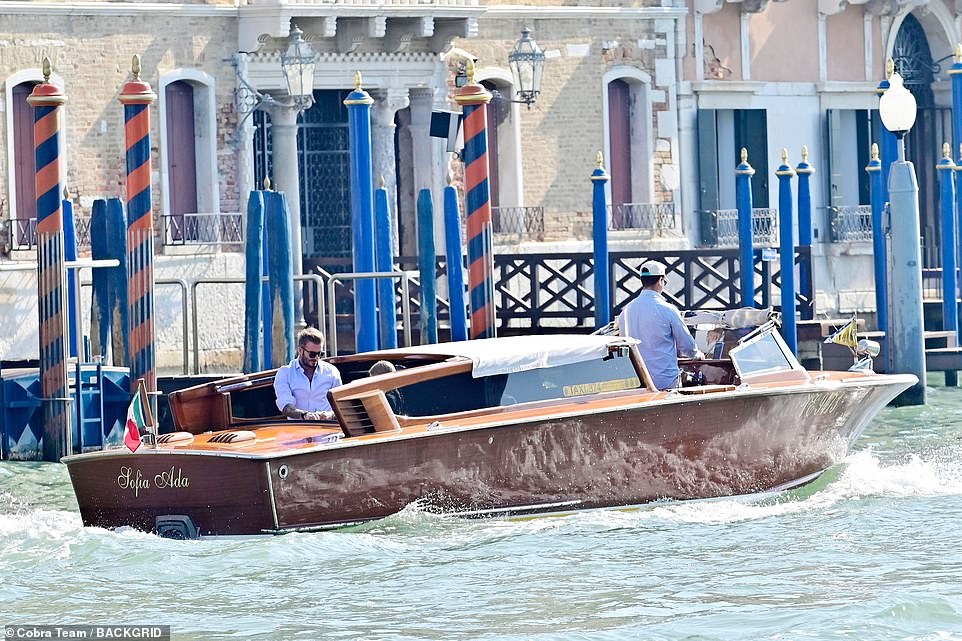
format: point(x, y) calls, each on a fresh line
point(509, 354)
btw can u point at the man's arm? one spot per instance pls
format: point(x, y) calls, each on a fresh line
point(684, 341)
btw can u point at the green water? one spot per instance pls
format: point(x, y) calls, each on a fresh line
point(871, 551)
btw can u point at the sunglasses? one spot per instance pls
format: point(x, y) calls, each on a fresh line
point(312, 354)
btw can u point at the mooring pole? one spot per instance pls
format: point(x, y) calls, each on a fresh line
point(599, 232)
point(804, 171)
point(473, 98)
point(746, 250)
point(384, 262)
point(47, 100)
point(137, 96)
point(253, 273)
point(786, 245)
point(950, 307)
point(358, 104)
point(453, 244)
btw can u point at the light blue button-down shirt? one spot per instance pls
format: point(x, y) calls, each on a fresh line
point(291, 386)
point(662, 336)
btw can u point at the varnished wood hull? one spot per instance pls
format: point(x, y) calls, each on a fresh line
point(680, 447)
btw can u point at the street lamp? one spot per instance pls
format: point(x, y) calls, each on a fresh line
point(297, 64)
point(906, 338)
point(527, 64)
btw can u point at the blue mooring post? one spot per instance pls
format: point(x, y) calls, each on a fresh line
point(455, 262)
point(70, 254)
point(906, 336)
point(267, 314)
point(100, 281)
point(253, 259)
point(804, 171)
point(889, 141)
point(384, 259)
point(119, 277)
point(955, 73)
point(746, 250)
point(426, 260)
point(786, 249)
point(599, 232)
point(358, 104)
point(874, 169)
point(950, 306)
point(281, 280)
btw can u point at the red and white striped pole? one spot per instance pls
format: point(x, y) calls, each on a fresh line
point(473, 99)
point(46, 100)
point(136, 97)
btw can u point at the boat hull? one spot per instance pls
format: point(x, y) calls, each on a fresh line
point(681, 447)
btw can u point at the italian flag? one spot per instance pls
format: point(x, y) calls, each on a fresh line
point(137, 414)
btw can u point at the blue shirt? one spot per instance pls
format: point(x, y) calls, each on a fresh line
point(292, 387)
point(662, 336)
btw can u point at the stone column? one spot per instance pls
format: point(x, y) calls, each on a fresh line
point(428, 169)
point(286, 178)
point(387, 102)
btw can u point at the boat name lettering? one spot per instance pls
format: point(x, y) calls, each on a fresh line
point(174, 477)
point(134, 480)
point(823, 404)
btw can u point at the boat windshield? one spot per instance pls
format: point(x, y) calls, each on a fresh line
point(762, 356)
point(462, 392)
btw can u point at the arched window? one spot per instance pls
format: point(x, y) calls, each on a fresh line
point(630, 156)
point(508, 214)
point(24, 207)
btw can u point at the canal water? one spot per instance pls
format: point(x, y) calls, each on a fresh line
point(872, 551)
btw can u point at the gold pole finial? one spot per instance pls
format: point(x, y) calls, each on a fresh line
point(46, 69)
point(874, 151)
point(599, 160)
point(449, 178)
point(380, 181)
point(267, 183)
point(357, 81)
point(958, 52)
point(784, 155)
point(889, 68)
point(135, 66)
point(744, 155)
point(946, 151)
point(804, 153)
point(66, 194)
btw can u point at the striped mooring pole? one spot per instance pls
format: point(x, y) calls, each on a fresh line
point(46, 100)
point(136, 96)
point(473, 99)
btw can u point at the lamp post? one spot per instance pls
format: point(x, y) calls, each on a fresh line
point(297, 65)
point(527, 66)
point(906, 339)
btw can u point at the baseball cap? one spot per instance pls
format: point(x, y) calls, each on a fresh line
point(652, 269)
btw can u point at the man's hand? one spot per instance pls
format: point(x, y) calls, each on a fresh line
point(319, 415)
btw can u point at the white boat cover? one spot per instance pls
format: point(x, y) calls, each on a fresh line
point(521, 353)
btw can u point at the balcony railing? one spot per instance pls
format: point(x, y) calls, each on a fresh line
point(851, 223)
point(720, 227)
point(658, 218)
point(23, 233)
point(218, 228)
point(526, 223)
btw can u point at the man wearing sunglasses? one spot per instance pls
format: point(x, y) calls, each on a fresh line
point(301, 386)
point(662, 335)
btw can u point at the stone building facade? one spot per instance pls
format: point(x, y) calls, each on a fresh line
point(667, 90)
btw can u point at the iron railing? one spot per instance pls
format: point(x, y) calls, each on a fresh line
point(850, 223)
point(526, 223)
point(720, 227)
point(23, 233)
point(217, 228)
point(658, 218)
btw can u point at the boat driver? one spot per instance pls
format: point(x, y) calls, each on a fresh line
point(656, 323)
point(301, 386)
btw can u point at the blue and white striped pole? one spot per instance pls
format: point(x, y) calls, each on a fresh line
point(599, 232)
point(358, 104)
point(786, 250)
point(746, 250)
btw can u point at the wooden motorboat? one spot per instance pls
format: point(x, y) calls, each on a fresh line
point(497, 427)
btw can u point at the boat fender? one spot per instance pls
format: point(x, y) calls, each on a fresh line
point(176, 526)
point(239, 436)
